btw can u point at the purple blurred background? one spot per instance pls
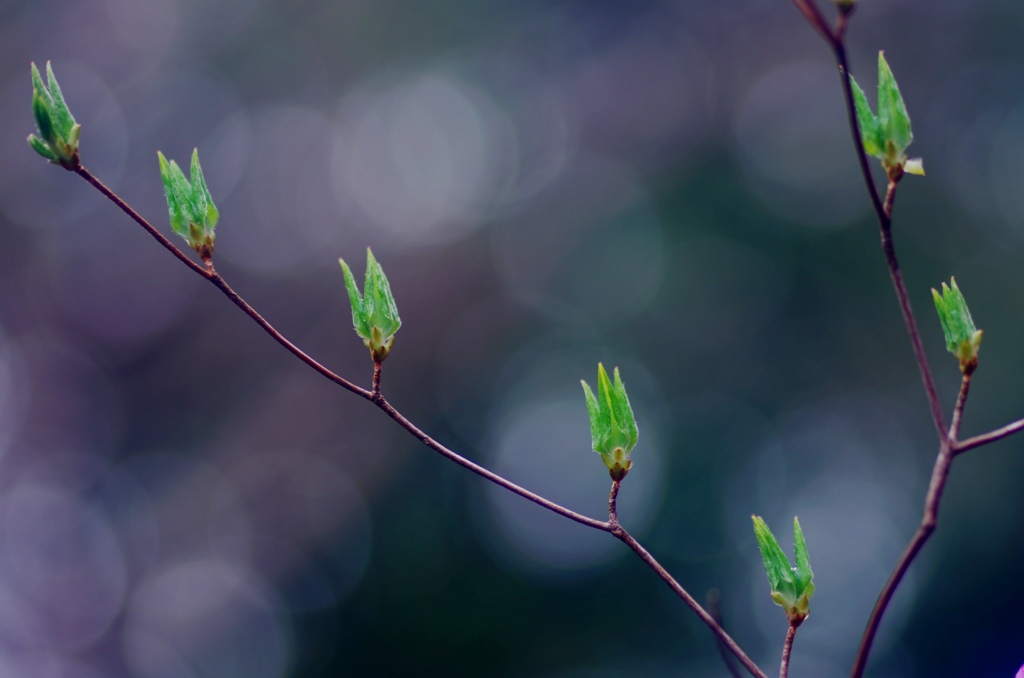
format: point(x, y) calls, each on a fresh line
point(664, 186)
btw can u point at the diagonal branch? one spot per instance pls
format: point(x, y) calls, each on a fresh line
point(883, 212)
point(990, 437)
point(626, 538)
point(375, 397)
point(816, 20)
point(940, 473)
point(947, 440)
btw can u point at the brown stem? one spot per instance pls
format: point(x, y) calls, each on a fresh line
point(947, 440)
point(620, 533)
point(613, 497)
point(400, 419)
point(915, 335)
point(126, 208)
point(958, 410)
point(817, 21)
point(223, 286)
point(375, 392)
point(787, 648)
point(842, 20)
point(990, 437)
point(940, 474)
point(377, 399)
point(883, 212)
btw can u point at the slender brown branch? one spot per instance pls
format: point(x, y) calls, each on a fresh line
point(940, 474)
point(209, 273)
point(127, 209)
point(958, 410)
point(883, 212)
point(400, 419)
point(375, 393)
point(842, 20)
point(787, 649)
point(613, 498)
point(990, 437)
point(816, 20)
point(915, 335)
point(377, 399)
point(620, 533)
point(223, 286)
point(947, 440)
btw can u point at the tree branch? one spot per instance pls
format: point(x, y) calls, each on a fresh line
point(625, 537)
point(990, 437)
point(947, 440)
point(940, 473)
point(883, 212)
point(787, 649)
point(375, 397)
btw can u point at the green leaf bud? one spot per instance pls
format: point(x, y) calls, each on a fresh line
point(190, 207)
point(887, 135)
point(963, 339)
point(870, 130)
point(58, 131)
point(374, 313)
point(612, 426)
point(791, 587)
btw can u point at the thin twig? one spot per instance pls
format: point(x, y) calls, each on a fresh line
point(400, 419)
point(915, 335)
point(620, 532)
point(816, 20)
point(883, 212)
point(375, 392)
point(940, 473)
point(626, 538)
point(958, 410)
point(211, 275)
point(947, 440)
point(990, 437)
point(375, 397)
point(223, 286)
point(613, 498)
point(787, 648)
point(126, 208)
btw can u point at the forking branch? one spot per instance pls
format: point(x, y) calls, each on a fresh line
point(964, 346)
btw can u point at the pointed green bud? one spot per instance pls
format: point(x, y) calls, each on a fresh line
point(58, 131)
point(612, 426)
point(887, 135)
point(892, 112)
point(374, 314)
point(870, 129)
point(792, 587)
point(963, 339)
point(190, 207)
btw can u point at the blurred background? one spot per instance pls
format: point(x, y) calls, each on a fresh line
point(665, 186)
